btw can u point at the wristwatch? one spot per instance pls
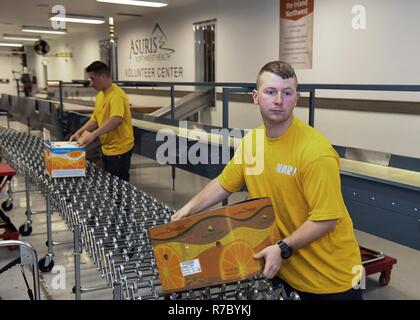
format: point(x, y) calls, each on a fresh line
point(286, 251)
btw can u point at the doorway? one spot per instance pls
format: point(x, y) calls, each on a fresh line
point(204, 40)
point(205, 60)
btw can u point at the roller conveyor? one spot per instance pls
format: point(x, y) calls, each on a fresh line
point(109, 218)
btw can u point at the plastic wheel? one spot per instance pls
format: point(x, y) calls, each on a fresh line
point(7, 205)
point(43, 267)
point(53, 243)
point(384, 280)
point(25, 229)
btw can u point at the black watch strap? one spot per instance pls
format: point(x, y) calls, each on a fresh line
point(286, 251)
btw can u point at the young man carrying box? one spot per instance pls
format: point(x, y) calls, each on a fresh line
point(318, 256)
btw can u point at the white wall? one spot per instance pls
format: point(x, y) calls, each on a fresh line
point(84, 49)
point(8, 64)
point(386, 52)
point(385, 132)
point(247, 36)
point(239, 25)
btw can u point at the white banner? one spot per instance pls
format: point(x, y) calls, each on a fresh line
point(296, 32)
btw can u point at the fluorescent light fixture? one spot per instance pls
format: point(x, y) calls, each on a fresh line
point(149, 3)
point(19, 38)
point(9, 44)
point(53, 83)
point(43, 30)
point(78, 18)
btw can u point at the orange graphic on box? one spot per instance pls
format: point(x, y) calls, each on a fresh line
point(63, 159)
point(214, 247)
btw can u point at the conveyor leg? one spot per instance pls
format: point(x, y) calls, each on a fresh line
point(47, 263)
point(173, 177)
point(49, 225)
point(77, 252)
point(28, 197)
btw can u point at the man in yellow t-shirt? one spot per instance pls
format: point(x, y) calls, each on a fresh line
point(318, 255)
point(110, 121)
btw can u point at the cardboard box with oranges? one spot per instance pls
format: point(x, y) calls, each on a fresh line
point(214, 247)
point(64, 159)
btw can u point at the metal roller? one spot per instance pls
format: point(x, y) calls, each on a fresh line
point(112, 217)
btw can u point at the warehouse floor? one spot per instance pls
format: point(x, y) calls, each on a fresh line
point(156, 181)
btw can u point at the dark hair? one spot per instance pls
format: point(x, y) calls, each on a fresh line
point(98, 67)
point(282, 69)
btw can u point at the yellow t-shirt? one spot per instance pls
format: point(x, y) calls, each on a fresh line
point(300, 173)
point(114, 102)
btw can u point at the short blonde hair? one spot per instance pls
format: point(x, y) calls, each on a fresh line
point(283, 69)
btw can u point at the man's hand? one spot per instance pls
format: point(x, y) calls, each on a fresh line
point(74, 137)
point(86, 138)
point(181, 213)
point(209, 196)
point(89, 126)
point(273, 260)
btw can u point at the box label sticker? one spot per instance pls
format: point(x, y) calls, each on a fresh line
point(190, 267)
point(68, 173)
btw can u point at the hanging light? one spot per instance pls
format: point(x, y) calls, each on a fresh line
point(10, 44)
point(148, 3)
point(78, 18)
point(43, 30)
point(19, 38)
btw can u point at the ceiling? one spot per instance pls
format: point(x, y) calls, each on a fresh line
point(16, 13)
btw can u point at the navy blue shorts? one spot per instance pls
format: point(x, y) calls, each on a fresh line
point(352, 294)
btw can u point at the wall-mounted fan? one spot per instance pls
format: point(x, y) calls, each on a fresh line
point(41, 47)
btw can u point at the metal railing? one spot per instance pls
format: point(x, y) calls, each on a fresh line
point(238, 87)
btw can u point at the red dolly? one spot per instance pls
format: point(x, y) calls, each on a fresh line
point(6, 175)
point(375, 262)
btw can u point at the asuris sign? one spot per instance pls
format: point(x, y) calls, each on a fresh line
point(153, 48)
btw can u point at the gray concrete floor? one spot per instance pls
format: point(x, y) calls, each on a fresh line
point(156, 180)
